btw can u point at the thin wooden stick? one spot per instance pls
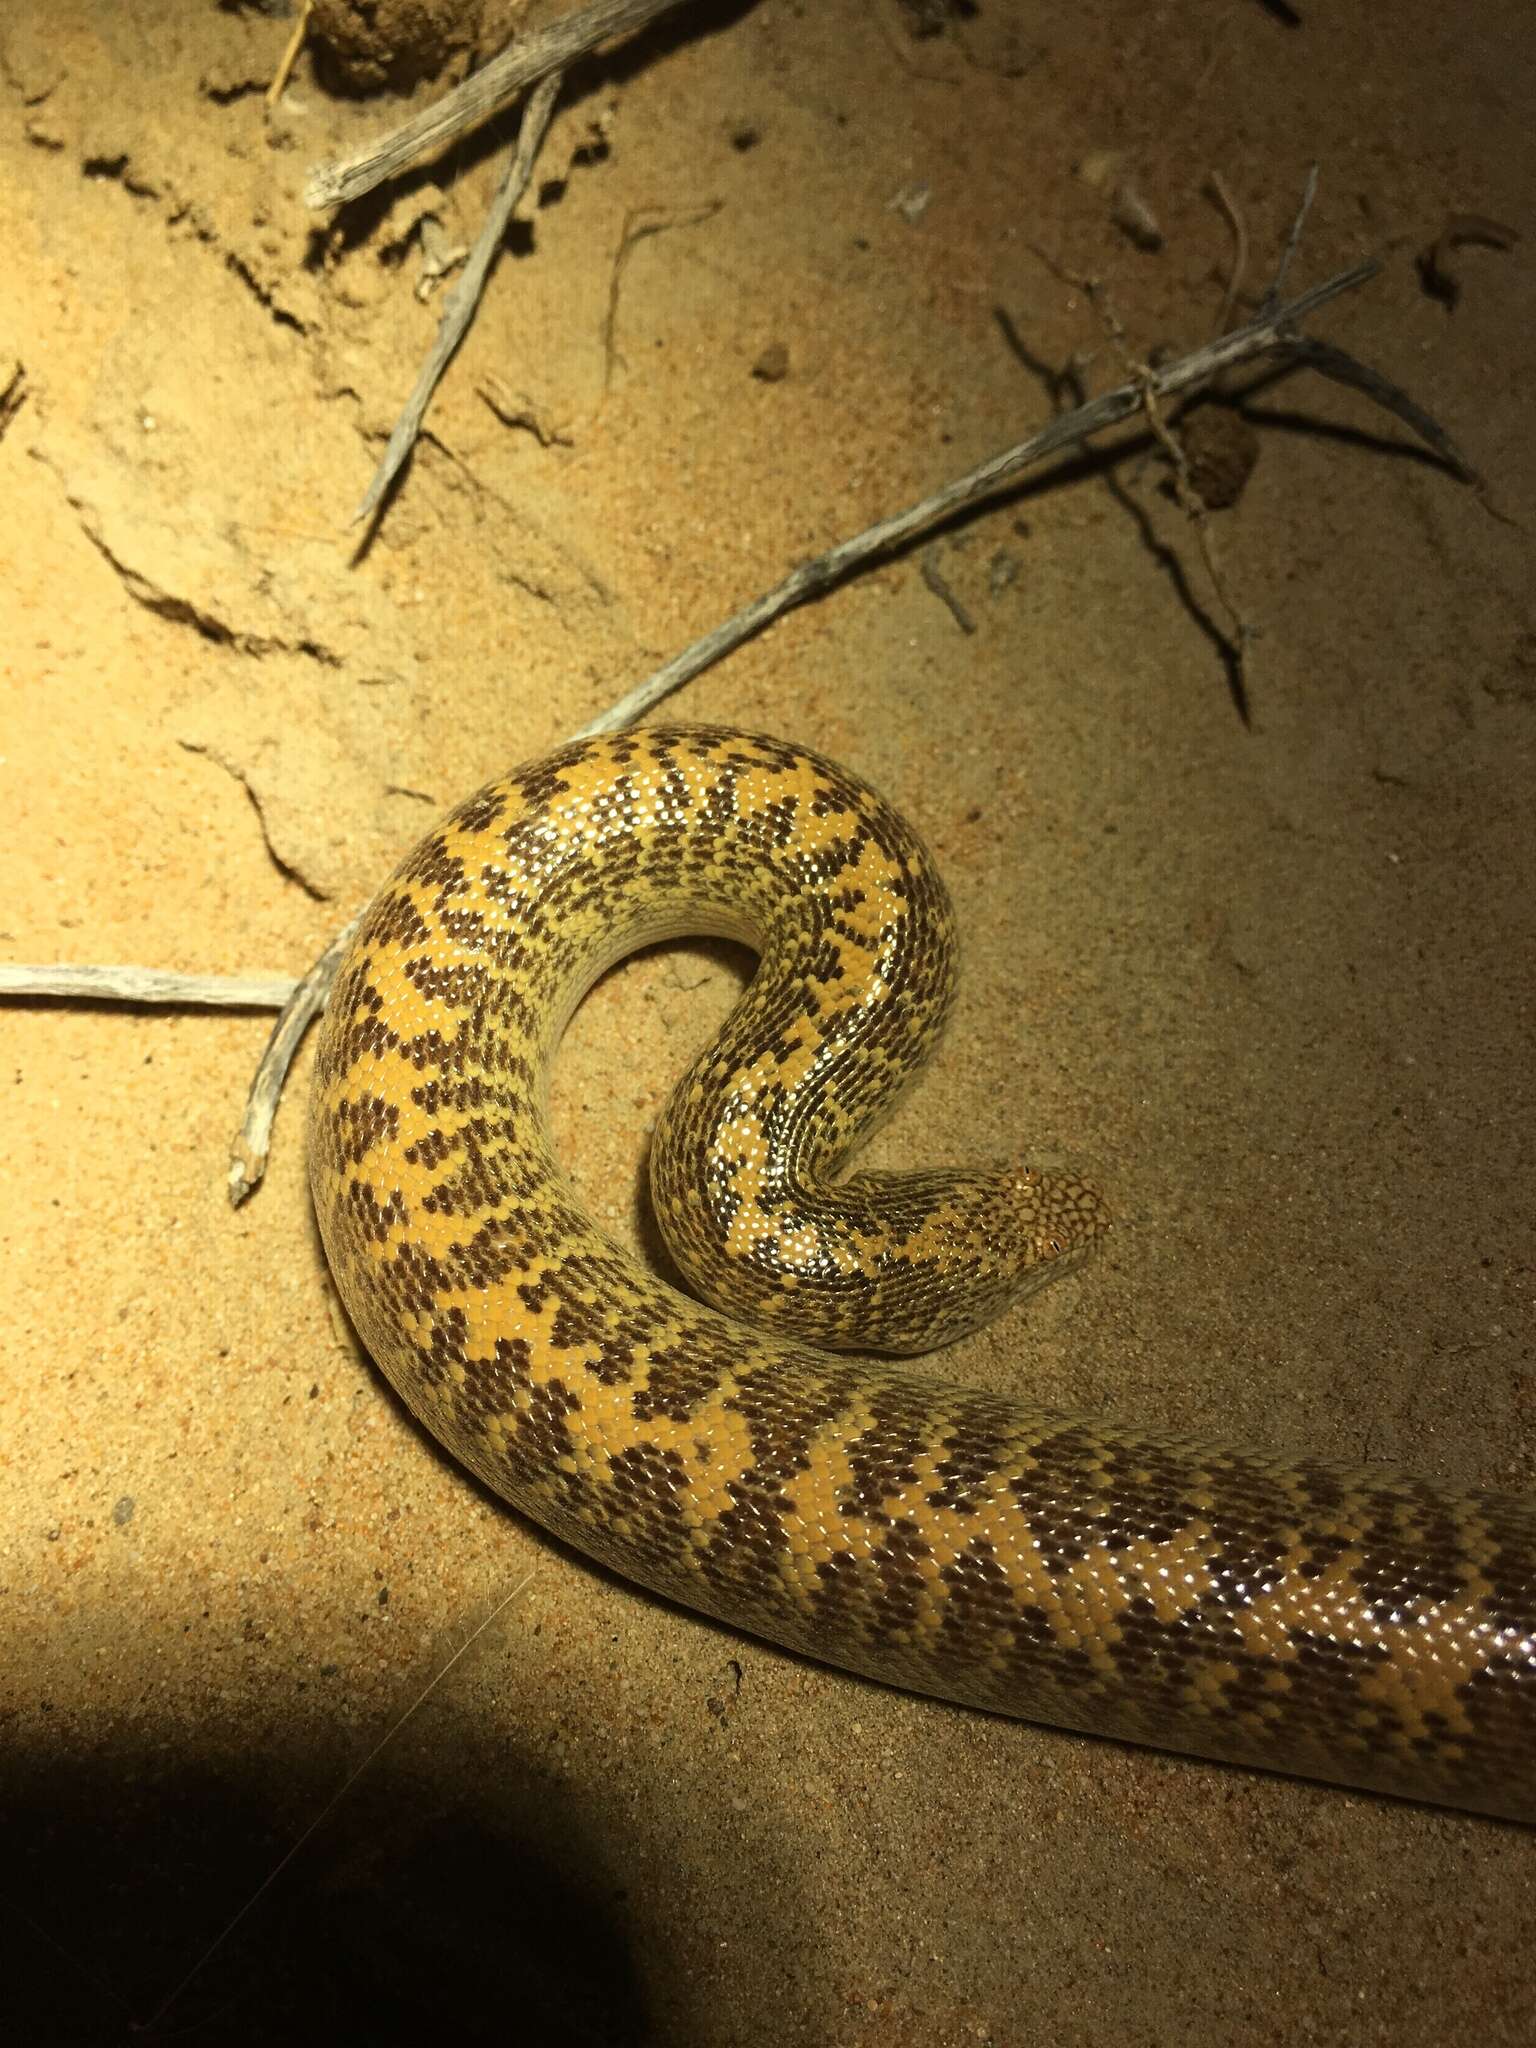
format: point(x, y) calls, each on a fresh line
point(290, 56)
point(484, 93)
point(248, 1159)
point(148, 985)
point(1215, 184)
point(1292, 243)
point(464, 296)
point(989, 477)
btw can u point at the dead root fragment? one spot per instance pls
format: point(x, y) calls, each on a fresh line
point(933, 576)
point(1192, 503)
point(517, 409)
point(1231, 213)
point(640, 223)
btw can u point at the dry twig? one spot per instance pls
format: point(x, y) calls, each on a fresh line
point(1291, 348)
point(1216, 185)
point(248, 1159)
point(148, 985)
point(484, 93)
point(1067, 430)
point(639, 223)
point(928, 568)
point(290, 55)
point(1276, 290)
point(463, 296)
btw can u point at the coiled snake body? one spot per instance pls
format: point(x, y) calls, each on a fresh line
point(1345, 1624)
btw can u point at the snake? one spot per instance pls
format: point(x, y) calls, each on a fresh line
point(756, 1443)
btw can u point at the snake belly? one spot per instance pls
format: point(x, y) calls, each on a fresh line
point(1348, 1624)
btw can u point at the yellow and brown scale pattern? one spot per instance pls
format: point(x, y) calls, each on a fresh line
point(1351, 1625)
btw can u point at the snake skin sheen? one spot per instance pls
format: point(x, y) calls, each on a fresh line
point(1345, 1624)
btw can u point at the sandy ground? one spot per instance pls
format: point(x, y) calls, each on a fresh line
point(1273, 982)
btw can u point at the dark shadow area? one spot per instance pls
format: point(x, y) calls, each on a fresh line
point(408, 1916)
point(1395, 447)
point(602, 70)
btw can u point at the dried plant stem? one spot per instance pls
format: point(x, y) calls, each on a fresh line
point(290, 55)
point(1216, 185)
point(248, 1157)
point(148, 985)
point(464, 295)
point(1067, 430)
point(1292, 242)
point(484, 93)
